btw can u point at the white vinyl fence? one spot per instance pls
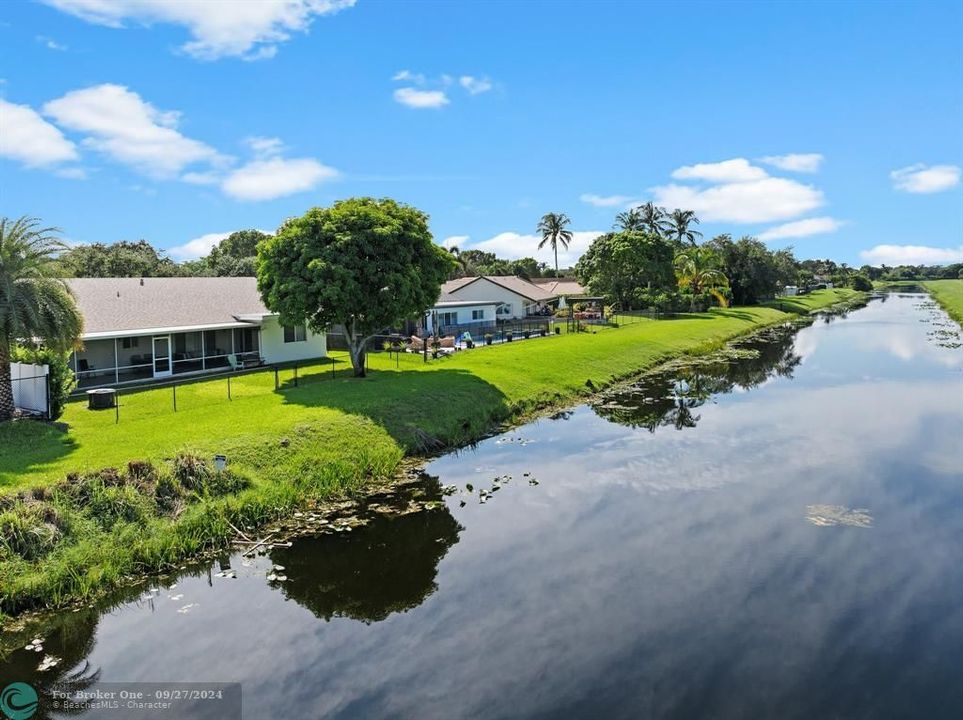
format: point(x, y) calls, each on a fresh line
point(30, 387)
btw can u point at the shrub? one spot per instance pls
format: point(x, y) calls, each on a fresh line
point(30, 530)
point(62, 380)
point(110, 504)
point(862, 283)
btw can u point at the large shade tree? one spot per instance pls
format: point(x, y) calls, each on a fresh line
point(36, 306)
point(622, 265)
point(363, 264)
point(553, 227)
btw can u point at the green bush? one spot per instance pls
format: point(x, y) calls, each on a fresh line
point(30, 530)
point(862, 283)
point(62, 380)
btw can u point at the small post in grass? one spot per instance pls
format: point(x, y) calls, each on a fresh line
point(174, 396)
point(229, 387)
point(276, 385)
point(332, 368)
point(117, 407)
point(295, 375)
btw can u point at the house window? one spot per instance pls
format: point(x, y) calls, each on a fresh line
point(130, 342)
point(504, 309)
point(295, 333)
point(477, 314)
point(448, 318)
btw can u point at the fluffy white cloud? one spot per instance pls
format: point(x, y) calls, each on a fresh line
point(802, 228)
point(474, 85)
point(31, 140)
point(911, 255)
point(922, 179)
point(249, 30)
point(605, 201)
point(766, 200)
point(727, 171)
point(421, 99)
point(128, 129)
point(198, 247)
point(513, 245)
point(274, 177)
point(795, 162)
point(457, 241)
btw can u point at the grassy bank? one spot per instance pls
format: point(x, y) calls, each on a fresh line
point(949, 294)
point(69, 529)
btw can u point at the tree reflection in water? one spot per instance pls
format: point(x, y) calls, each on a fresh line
point(386, 567)
point(671, 398)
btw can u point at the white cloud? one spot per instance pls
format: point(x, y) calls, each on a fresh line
point(513, 245)
point(249, 30)
point(420, 99)
point(802, 228)
point(457, 241)
point(31, 140)
point(408, 76)
point(198, 247)
point(795, 162)
point(130, 130)
point(474, 85)
point(911, 255)
point(265, 146)
point(270, 178)
point(50, 43)
point(605, 201)
point(922, 179)
point(201, 178)
point(727, 171)
point(766, 200)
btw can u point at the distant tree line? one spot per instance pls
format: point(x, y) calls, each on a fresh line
point(235, 255)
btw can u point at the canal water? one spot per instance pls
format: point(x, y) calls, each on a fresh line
point(774, 534)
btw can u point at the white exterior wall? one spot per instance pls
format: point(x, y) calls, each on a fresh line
point(275, 350)
point(483, 289)
point(464, 314)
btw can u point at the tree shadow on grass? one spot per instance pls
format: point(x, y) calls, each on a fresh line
point(27, 446)
point(424, 411)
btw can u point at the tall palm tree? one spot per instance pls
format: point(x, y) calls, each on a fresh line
point(654, 219)
point(35, 305)
point(629, 220)
point(679, 222)
point(697, 268)
point(553, 227)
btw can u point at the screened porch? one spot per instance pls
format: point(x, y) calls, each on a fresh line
point(110, 361)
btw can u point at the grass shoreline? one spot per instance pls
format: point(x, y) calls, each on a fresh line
point(307, 443)
point(949, 295)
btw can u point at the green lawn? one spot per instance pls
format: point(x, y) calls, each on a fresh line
point(318, 439)
point(949, 294)
point(814, 301)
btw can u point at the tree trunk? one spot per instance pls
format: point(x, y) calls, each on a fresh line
point(6, 385)
point(357, 348)
point(555, 247)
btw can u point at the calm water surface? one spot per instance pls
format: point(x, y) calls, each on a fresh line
point(773, 537)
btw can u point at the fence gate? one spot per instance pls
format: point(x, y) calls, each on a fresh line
point(30, 388)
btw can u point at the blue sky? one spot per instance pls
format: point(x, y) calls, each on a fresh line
point(834, 127)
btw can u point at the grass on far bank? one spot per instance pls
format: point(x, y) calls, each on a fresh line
point(949, 294)
point(63, 539)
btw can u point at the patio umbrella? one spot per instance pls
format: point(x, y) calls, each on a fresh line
point(561, 303)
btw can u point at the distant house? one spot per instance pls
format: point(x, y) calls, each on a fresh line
point(143, 328)
point(479, 302)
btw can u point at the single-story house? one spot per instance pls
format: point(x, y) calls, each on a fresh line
point(514, 297)
point(137, 329)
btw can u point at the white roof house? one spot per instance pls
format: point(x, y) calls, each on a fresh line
point(142, 328)
point(484, 299)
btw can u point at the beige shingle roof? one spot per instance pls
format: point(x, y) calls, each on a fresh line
point(523, 287)
point(124, 304)
point(560, 286)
